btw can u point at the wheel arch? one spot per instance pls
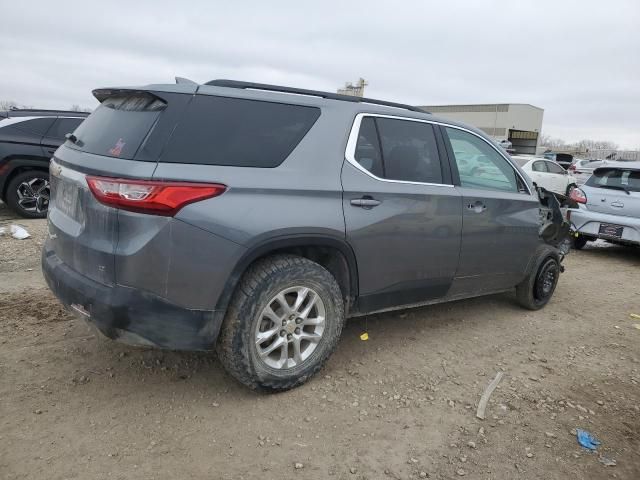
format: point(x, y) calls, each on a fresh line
point(334, 254)
point(13, 166)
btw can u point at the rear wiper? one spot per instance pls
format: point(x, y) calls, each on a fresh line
point(616, 187)
point(71, 137)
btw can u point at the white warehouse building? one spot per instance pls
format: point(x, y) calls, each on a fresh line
point(520, 123)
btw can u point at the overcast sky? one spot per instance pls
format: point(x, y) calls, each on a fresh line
point(579, 60)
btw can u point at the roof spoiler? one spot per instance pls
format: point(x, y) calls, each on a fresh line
point(182, 80)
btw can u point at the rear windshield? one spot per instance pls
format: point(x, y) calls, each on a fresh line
point(616, 178)
point(119, 125)
point(238, 132)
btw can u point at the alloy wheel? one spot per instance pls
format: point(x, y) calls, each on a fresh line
point(33, 195)
point(290, 327)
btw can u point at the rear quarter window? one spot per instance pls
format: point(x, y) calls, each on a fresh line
point(238, 132)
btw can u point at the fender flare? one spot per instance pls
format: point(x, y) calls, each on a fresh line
point(283, 242)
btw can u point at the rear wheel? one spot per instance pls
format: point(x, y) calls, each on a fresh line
point(283, 323)
point(537, 289)
point(28, 194)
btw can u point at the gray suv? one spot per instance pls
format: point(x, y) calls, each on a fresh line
point(253, 219)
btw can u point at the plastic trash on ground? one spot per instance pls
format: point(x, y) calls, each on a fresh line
point(586, 439)
point(16, 231)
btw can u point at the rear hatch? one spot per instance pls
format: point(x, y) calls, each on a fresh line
point(614, 191)
point(122, 138)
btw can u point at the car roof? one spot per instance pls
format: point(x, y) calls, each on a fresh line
point(620, 165)
point(530, 158)
point(275, 93)
point(36, 112)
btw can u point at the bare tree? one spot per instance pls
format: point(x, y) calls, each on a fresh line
point(7, 104)
point(551, 142)
point(78, 108)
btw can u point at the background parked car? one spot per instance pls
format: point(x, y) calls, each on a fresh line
point(28, 139)
point(608, 205)
point(562, 159)
point(547, 174)
point(582, 169)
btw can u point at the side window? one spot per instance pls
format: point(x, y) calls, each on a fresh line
point(38, 125)
point(539, 167)
point(367, 152)
point(479, 164)
point(555, 168)
point(409, 151)
point(63, 126)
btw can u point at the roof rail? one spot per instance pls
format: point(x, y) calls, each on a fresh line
point(44, 110)
point(314, 93)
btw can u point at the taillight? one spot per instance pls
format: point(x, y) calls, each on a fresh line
point(578, 196)
point(154, 197)
point(572, 168)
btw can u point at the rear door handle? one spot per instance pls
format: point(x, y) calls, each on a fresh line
point(365, 202)
point(477, 206)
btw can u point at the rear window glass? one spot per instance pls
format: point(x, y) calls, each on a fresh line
point(615, 178)
point(119, 125)
point(238, 132)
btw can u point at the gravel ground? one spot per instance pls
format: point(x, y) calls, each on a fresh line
point(400, 405)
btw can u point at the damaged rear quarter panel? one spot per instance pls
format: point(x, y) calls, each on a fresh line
point(184, 264)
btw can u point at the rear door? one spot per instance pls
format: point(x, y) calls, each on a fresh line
point(558, 177)
point(540, 175)
point(402, 213)
point(500, 216)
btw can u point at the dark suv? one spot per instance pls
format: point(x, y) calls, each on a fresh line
point(253, 219)
point(28, 139)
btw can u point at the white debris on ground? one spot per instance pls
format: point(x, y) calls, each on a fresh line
point(16, 231)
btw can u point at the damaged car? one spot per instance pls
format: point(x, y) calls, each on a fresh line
point(608, 206)
point(254, 219)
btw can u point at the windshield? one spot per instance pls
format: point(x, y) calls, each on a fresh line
point(616, 178)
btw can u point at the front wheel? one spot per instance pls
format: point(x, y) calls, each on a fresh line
point(283, 323)
point(579, 242)
point(28, 194)
point(537, 289)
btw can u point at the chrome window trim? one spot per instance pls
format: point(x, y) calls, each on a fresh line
point(353, 140)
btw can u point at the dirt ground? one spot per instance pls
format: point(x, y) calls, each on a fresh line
point(398, 406)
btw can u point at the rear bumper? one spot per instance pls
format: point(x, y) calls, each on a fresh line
point(588, 223)
point(130, 315)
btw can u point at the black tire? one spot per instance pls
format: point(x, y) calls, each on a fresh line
point(579, 242)
point(236, 346)
point(40, 181)
point(536, 290)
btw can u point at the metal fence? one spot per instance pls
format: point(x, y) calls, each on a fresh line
point(619, 155)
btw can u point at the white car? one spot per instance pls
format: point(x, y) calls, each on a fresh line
point(582, 169)
point(547, 174)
